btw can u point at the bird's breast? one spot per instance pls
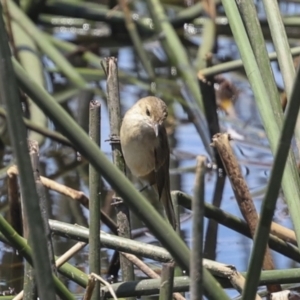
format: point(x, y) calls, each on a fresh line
point(138, 143)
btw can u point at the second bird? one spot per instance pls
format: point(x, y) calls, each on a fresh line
point(146, 150)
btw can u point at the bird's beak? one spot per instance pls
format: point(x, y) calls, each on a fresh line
point(156, 129)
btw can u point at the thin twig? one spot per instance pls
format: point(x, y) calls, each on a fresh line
point(112, 293)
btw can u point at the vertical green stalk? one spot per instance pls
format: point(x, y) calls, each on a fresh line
point(31, 61)
point(136, 40)
point(281, 44)
point(207, 43)
point(95, 200)
point(258, 44)
point(283, 51)
point(269, 203)
point(196, 288)
point(174, 49)
point(178, 271)
point(272, 124)
point(17, 131)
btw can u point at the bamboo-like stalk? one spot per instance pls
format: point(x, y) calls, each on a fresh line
point(257, 41)
point(237, 64)
point(124, 230)
point(68, 93)
point(42, 130)
point(111, 241)
point(119, 182)
point(238, 225)
point(178, 271)
point(114, 111)
point(95, 200)
point(166, 285)
point(207, 44)
point(196, 288)
point(31, 62)
point(269, 202)
point(33, 147)
point(45, 46)
point(9, 95)
point(282, 48)
point(136, 40)
point(29, 283)
point(281, 44)
point(291, 181)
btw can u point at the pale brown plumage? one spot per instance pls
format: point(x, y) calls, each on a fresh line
point(145, 147)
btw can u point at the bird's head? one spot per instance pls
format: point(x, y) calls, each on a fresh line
point(154, 110)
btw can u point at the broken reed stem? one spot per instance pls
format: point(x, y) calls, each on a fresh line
point(90, 288)
point(34, 157)
point(242, 194)
point(124, 230)
point(196, 288)
point(94, 204)
point(230, 272)
point(114, 112)
point(167, 277)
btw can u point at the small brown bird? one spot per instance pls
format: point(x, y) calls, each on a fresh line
point(146, 150)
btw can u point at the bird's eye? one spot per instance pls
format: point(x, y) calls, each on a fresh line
point(148, 112)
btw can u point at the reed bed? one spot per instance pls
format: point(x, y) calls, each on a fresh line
point(62, 86)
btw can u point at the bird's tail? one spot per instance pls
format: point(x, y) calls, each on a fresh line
point(169, 208)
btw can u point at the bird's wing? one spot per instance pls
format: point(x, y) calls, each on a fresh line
point(162, 158)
